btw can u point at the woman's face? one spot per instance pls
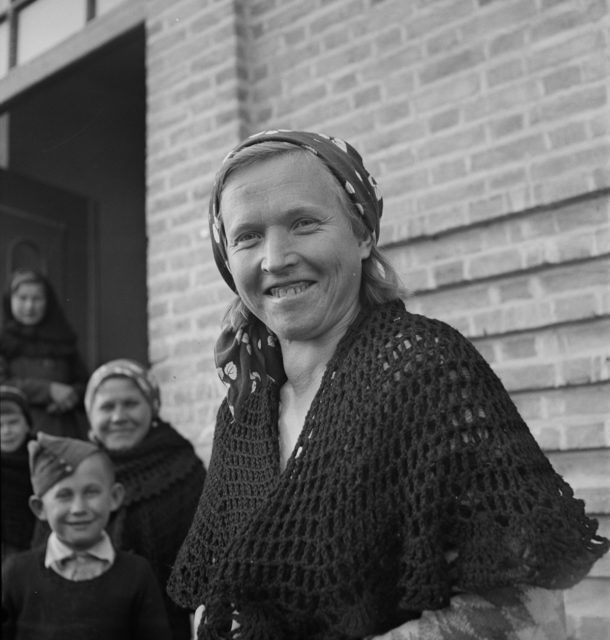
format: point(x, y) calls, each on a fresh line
point(29, 303)
point(294, 258)
point(120, 415)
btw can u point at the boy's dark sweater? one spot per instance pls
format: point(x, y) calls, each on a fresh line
point(124, 603)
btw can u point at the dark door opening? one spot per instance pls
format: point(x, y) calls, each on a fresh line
point(83, 131)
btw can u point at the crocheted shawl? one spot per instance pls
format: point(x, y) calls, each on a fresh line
point(413, 475)
point(17, 518)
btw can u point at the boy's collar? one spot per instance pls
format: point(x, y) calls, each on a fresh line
point(58, 551)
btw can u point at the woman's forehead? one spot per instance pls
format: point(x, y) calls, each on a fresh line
point(291, 178)
point(113, 385)
point(30, 287)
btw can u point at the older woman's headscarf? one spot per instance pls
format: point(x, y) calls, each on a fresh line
point(124, 368)
point(252, 354)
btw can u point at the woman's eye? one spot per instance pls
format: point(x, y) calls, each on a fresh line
point(246, 238)
point(306, 223)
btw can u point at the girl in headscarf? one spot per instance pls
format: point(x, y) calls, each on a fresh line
point(369, 473)
point(39, 355)
point(159, 469)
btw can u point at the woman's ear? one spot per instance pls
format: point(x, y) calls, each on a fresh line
point(117, 495)
point(365, 245)
point(37, 507)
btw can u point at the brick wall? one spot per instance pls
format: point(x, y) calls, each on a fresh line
point(486, 124)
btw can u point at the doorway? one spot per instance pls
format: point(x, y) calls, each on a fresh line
point(51, 230)
point(83, 132)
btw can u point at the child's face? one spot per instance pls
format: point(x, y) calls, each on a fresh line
point(78, 507)
point(120, 415)
point(13, 427)
point(29, 303)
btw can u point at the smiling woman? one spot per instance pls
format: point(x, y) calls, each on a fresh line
point(162, 475)
point(369, 473)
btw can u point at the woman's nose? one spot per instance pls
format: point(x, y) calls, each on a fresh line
point(118, 413)
point(278, 252)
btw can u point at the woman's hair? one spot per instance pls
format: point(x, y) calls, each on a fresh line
point(380, 282)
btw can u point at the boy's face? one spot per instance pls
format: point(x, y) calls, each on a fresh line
point(77, 508)
point(13, 427)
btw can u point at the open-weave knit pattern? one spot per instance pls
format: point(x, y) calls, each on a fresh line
point(413, 474)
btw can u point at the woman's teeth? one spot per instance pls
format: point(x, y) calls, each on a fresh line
point(293, 290)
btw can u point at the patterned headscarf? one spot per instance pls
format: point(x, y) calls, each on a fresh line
point(131, 369)
point(246, 357)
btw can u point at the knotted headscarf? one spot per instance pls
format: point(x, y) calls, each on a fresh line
point(250, 355)
point(125, 368)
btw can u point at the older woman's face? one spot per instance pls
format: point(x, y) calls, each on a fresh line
point(120, 415)
point(296, 262)
point(29, 303)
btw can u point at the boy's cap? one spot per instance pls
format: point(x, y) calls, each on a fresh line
point(10, 395)
point(53, 458)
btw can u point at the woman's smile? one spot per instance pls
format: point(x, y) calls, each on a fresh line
point(289, 290)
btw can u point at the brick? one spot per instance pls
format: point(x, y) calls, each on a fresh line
point(588, 274)
point(529, 377)
point(450, 195)
point(552, 166)
point(581, 370)
point(561, 79)
point(444, 120)
point(441, 145)
point(586, 436)
point(518, 348)
point(453, 90)
point(510, 152)
point(485, 208)
point(519, 289)
point(455, 63)
point(570, 134)
point(505, 72)
point(576, 307)
point(442, 42)
point(506, 125)
point(575, 103)
point(504, 261)
point(507, 42)
point(449, 273)
point(448, 171)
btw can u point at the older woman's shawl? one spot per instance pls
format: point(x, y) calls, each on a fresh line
point(413, 476)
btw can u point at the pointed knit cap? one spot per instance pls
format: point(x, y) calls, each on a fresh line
point(53, 458)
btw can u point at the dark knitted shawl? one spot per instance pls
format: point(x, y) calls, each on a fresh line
point(17, 518)
point(414, 474)
point(163, 478)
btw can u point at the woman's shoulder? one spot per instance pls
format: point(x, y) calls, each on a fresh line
point(393, 326)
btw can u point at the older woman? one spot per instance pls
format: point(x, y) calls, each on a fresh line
point(161, 473)
point(369, 472)
point(39, 355)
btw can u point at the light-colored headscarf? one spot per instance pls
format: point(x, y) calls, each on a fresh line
point(125, 368)
point(246, 357)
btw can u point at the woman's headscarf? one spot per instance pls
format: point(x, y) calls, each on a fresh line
point(252, 354)
point(124, 368)
point(54, 328)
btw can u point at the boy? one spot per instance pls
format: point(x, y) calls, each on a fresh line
point(78, 586)
point(15, 431)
